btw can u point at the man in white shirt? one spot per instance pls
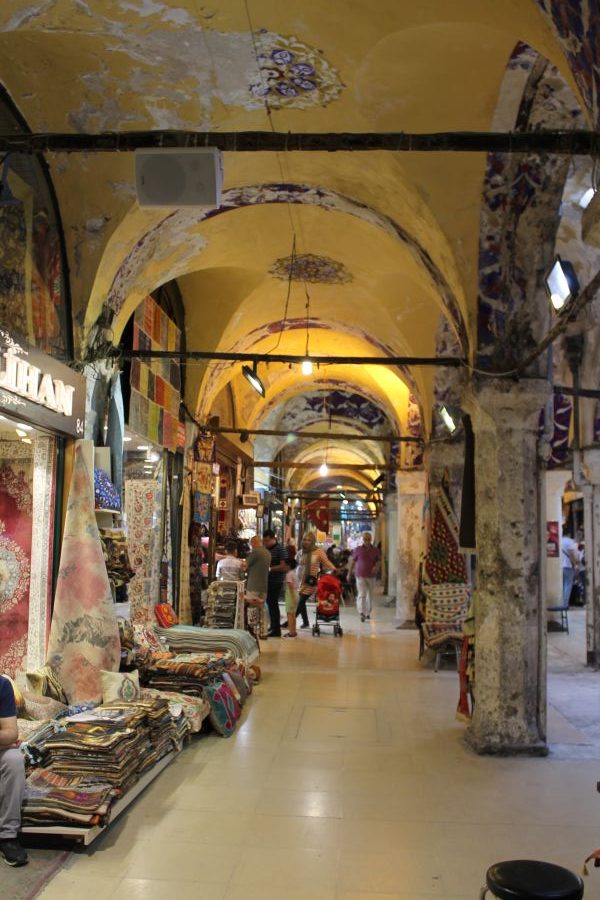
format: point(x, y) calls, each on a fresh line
point(569, 557)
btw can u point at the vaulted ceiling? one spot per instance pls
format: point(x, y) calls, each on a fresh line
point(387, 245)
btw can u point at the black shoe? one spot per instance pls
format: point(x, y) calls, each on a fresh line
point(274, 634)
point(13, 853)
point(305, 625)
point(362, 618)
point(283, 625)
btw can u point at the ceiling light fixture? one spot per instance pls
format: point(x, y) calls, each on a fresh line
point(125, 439)
point(561, 283)
point(24, 426)
point(307, 367)
point(26, 440)
point(447, 420)
point(324, 469)
point(143, 447)
point(251, 376)
point(21, 433)
point(586, 198)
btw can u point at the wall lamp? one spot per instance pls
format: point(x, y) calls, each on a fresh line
point(447, 419)
point(251, 376)
point(561, 283)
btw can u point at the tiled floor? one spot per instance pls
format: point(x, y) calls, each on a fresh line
point(347, 780)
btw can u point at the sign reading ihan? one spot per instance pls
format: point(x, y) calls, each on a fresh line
point(39, 389)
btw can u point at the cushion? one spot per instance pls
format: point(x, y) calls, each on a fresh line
point(224, 708)
point(241, 685)
point(106, 496)
point(45, 681)
point(120, 686)
point(39, 708)
point(165, 615)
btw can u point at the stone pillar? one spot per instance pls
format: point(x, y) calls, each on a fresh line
point(391, 545)
point(510, 652)
point(411, 496)
point(591, 527)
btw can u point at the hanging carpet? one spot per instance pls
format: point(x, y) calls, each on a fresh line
point(84, 635)
point(16, 481)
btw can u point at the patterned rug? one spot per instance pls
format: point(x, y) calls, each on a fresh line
point(84, 636)
point(142, 508)
point(28, 881)
point(444, 561)
point(16, 478)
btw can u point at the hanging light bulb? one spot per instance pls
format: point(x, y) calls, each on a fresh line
point(324, 469)
point(307, 367)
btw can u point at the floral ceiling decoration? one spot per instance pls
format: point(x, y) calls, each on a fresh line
point(292, 74)
point(312, 268)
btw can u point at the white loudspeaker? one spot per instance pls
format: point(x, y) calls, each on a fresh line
point(191, 176)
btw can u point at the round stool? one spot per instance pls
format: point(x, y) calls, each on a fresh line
point(527, 879)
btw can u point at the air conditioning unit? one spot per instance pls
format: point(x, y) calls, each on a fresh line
point(191, 176)
point(250, 499)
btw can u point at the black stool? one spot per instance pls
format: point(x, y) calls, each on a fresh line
point(527, 879)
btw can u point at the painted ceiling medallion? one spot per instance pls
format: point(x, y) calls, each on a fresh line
point(292, 73)
point(312, 268)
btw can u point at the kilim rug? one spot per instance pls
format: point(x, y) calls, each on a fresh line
point(28, 881)
point(16, 477)
point(84, 635)
point(444, 561)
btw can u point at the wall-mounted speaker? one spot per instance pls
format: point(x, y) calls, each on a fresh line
point(191, 176)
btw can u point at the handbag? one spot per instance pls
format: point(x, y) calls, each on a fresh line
point(310, 580)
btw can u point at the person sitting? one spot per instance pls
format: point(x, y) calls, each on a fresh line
point(12, 778)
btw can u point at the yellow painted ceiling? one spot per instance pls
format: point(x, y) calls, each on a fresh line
point(395, 65)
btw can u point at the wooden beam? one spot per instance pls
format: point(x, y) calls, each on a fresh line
point(562, 142)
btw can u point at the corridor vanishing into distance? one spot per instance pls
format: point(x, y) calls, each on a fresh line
point(348, 780)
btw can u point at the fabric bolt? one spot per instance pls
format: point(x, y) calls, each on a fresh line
point(188, 638)
point(142, 505)
point(16, 506)
point(116, 556)
point(185, 601)
point(84, 636)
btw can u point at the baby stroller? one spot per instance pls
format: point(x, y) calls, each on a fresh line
point(329, 592)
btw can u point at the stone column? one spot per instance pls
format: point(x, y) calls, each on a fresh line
point(510, 652)
point(391, 544)
point(591, 513)
point(411, 496)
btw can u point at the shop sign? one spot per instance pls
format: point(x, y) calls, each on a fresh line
point(37, 388)
point(552, 540)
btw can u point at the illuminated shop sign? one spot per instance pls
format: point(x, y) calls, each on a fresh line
point(39, 389)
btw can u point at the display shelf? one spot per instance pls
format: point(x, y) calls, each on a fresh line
point(86, 834)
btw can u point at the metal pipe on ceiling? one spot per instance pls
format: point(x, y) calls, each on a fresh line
point(330, 435)
point(285, 464)
point(443, 361)
point(561, 142)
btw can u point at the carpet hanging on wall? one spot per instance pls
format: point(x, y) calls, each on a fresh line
point(16, 502)
point(84, 636)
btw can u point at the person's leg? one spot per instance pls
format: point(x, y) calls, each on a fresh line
point(370, 584)
point(273, 604)
point(568, 574)
point(361, 596)
point(302, 611)
point(12, 789)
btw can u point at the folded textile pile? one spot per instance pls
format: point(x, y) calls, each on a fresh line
point(187, 673)
point(34, 740)
point(53, 799)
point(165, 731)
point(189, 638)
point(221, 606)
point(105, 745)
point(195, 709)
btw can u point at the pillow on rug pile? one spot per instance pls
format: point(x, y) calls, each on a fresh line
point(39, 708)
point(45, 681)
point(165, 615)
point(224, 708)
point(120, 686)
